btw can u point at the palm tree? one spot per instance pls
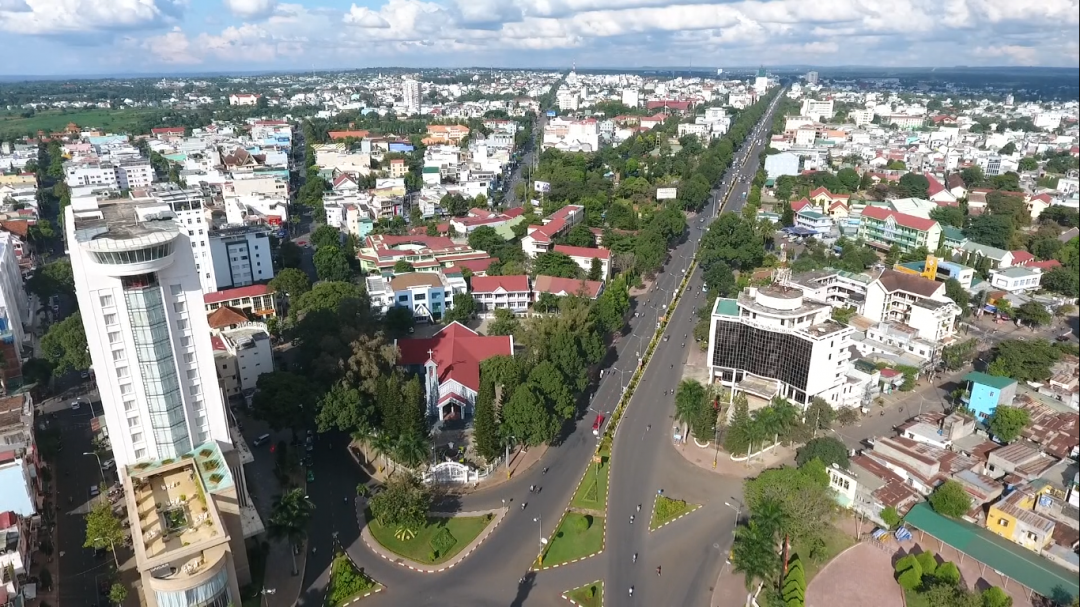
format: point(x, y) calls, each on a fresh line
point(771, 520)
point(411, 449)
point(383, 445)
point(688, 400)
point(289, 519)
point(754, 554)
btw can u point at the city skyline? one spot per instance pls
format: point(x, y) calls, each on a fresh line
point(87, 37)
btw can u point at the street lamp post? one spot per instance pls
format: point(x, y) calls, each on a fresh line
point(112, 547)
point(738, 513)
point(540, 526)
point(508, 441)
point(100, 469)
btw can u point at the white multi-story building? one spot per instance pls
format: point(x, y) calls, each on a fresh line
point(142, 307)
point(772, 341)
point(861, 117)
point(190, 207)
point(410, 93)
point(122, 175)
point(428, 294)
point(14, 303)
point(912, 300)
point(572, 135)
point(567, 100)
point(631, 97)
point(242, 351)
point(817, 110)
point(240, 256)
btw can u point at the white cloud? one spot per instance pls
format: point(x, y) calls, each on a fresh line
point(251, 9)
point(364, 17)
point(50, 17)
point(590, 32)
point(1015, 54)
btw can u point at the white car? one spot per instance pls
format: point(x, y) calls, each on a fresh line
point(75, 404)
point(108, 464)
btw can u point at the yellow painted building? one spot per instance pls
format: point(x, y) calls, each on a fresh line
point(18, 180)
point(1018, 519)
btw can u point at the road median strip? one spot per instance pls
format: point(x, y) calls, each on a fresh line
point(443, 564)
point(577, 537)
point(667, 510)
point(589, 595)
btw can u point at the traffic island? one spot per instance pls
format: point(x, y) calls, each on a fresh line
point(348, 583)
point(437, 542)
point(592, 491)
point(667, 510)
point(589, 595)
point(578, 536)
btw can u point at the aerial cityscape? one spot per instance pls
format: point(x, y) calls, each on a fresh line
point(371, 304)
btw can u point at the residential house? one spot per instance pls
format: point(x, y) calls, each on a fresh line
point(445, 133)
point(423, 253)
point(868, 488)
point(584, 256)
point(938, 193)
point(939, 270)
point(502, 292)
point(1029, 516)
point(450, 364)
point(812, 220)
point(1016, 279)
point(253, 301)
point(915, 301)
point(1018, 461)
point(242, 351)
point(985, 392)
point(563, 287)
point(956, 186)
point(824, 199)
point(428, 294)
point(999, 258)
point(477, 218)
point(882, 228)
point(541, 238)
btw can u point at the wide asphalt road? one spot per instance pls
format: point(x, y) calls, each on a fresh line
point(491, 575)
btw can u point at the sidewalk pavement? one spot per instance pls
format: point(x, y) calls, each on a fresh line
point(278, 571)
point(365, 533)
point(520, 462)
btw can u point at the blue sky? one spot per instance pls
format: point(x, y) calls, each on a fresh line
point(43, 37)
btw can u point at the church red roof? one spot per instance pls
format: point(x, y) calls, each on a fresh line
point(457, 352)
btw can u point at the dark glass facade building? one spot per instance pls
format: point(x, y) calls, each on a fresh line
point(743, 348)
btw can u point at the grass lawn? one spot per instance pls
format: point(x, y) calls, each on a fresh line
point(591, 493)
point(666, 509)
point(589, 595)
point(579, 535)
point(437, 542)
point(836, 541)
point(11, 123)
point(346, 582)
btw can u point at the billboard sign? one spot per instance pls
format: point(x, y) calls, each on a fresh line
point(542, 186)
point(551, 113)
point(666, 193)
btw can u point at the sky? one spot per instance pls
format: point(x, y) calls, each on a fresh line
point(84, 37)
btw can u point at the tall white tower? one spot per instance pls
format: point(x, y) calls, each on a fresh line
point(410, 92)
point(142, 306)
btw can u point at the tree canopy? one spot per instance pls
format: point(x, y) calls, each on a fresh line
point(64, 345)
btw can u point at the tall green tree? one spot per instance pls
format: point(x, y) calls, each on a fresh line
point(754, 555)
point(103, 528)
point(950, 499)
point(284, 400)
point(403, 503)
point(331, 264)
point(64, 345)
point(289, 518)
point(485, 422)
point(292, 282)
point(1007, 423)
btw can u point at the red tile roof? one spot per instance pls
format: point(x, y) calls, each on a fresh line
point(935, 185)
point(476, 265)
point(457, 352)
point(910, 221)
point(225, 317)
point(1045, 266)
point(514, 212)
point(237, 293)
point(345, 134)
point(800, 204)
point(510, 284)
point(1021, 258)
point(168, 130)
point(585, 252)
point(567, 286)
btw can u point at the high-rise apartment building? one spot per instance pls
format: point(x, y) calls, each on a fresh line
point(142, 306)
point(141, 299)
point(410, 92)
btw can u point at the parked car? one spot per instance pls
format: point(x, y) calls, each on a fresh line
point(108, 464)
point(75, 404)
point(94, 490)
